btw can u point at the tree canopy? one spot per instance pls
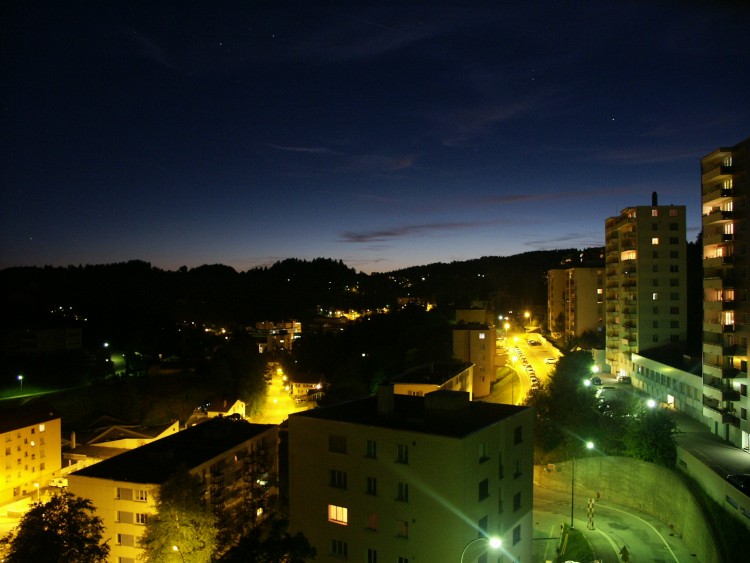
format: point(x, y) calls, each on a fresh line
point(271, 543)
point(182, 523)
point(61, 529)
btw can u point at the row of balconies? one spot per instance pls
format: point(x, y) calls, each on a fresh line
point(712, 408)
point(717, 238)
point(728, 393)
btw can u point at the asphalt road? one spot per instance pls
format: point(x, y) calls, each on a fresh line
point(615, 527)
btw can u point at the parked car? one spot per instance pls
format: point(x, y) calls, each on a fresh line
point(60, 482)
point(596, 380)
point(624, 379)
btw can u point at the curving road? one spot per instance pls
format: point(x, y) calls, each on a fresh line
point(615, 527)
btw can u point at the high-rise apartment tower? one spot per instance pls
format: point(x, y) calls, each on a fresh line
point(724, 194)
point(646, 281)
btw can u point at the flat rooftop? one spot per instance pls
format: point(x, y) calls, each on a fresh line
point(436, 374)
point(410, 413)
point(156, 462)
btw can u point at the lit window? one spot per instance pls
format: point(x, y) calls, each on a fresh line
point(654, 213)
point(655, 241)
point(338, 514)
point(655, 296)
point(42, 428)
point(628, 255)
point(481, 336)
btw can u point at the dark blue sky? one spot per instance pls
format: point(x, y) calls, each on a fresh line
point(402, 133)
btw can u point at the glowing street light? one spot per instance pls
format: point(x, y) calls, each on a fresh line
point(494, 542)
point(589, 446)
point(20, 380)
point(177, 549)
point(651, 403)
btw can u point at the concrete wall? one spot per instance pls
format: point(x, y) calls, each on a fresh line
point(649, 488)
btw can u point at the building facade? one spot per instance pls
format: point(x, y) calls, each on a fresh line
point(237, 463)
point(724, 193)
point(30, 445)
point(646, 281)
point(575, 300)
point(397, 478)
point(477, 344)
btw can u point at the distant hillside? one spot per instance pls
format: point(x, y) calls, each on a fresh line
point(135, 294)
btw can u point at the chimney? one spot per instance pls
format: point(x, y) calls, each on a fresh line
point(653, 199)
point(385, 398)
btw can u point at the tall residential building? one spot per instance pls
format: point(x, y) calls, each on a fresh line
point(30, 449)
point(236, 462)
point(575, 300)
point(646, 281)
point(401, 478)
point(724, 193)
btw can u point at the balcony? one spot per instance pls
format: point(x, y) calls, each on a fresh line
point(717, 238)
point(717, 216)
point(716, 194)
point(714, 411)
point(715, 173)
point(726, 392)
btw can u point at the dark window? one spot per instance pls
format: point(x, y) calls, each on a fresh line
point(516, 501)
point(338, 479)
point(339, 548)
point(372, 449)
point(337, 444)
point(372, 486)
point(402, 454)
point(402, 492)
point(484, 489)
point(402, 528)
point(516, 534)
point(372, 556)
point(518, 435)
point(483, 525)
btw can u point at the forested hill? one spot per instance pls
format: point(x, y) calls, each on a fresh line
point(136, 293)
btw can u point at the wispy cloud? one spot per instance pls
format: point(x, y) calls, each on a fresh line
point(309, 150)
point(378, 162)
point(405, 231)
point(456, 127)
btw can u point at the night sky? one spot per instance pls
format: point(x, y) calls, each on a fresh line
point(404, 133)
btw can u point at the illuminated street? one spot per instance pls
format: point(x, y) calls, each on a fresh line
point(279, 404)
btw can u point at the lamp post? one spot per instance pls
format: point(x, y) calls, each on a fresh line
point(494, 542)
point(20, 380)
point(177, 549)
point(589, 446)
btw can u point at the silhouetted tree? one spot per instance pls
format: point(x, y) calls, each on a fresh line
point(61, 529)
point(650, 437)
point(271, 543)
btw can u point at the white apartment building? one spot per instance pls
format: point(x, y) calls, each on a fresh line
point(398, 478)
point(646, 281)
point(236, 461)
point(725, 187)
point(575, 300)
point(30, 449)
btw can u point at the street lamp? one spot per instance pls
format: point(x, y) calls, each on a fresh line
point(20, 380)
point(494, 542)
point(177, 549)
point(36, 485)
point(651, 403)
point(589, 446)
